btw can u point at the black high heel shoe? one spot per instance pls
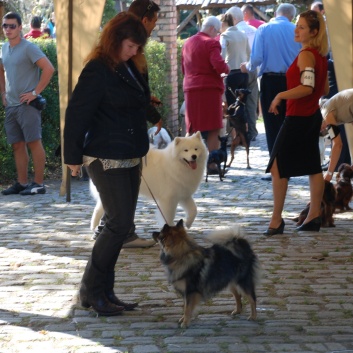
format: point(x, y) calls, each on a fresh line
point(273, 231)
point(313, 226)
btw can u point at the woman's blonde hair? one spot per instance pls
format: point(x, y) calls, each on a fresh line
point(123, 26)
point(316, 21)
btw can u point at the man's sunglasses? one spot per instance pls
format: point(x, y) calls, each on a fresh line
point(149, 7)
point(7, 25)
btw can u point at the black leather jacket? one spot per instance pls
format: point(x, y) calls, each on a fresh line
point(106, 115)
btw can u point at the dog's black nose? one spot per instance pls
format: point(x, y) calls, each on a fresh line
point(194, 156)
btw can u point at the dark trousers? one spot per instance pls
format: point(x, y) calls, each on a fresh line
point(235, 79)
point(271, 85)
point(118, 189)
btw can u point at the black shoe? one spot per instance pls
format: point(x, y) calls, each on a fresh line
point(115, 300)
point(267, 178)
point(100, 304)
point(14, 189)
point(313, 226)
point(273, 231)
point(33, 189)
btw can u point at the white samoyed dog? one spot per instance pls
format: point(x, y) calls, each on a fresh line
point(172, 175)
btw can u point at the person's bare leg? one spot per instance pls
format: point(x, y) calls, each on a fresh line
point(21, 160)
point(212, 140)
point(38, 156)
point(279, 187)
point(317, 185)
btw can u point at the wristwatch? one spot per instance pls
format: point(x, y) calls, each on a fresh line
point(34, 93)
point(329, 173)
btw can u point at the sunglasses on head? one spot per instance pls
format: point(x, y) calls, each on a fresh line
point(149, 7)
point(7, 25)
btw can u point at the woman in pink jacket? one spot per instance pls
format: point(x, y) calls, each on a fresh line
point(202, 66)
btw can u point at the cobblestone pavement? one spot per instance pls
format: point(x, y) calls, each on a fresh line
point(305, 301)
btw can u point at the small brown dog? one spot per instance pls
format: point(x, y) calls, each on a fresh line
point(344, 187)
point(238, 122)
point(327, 207)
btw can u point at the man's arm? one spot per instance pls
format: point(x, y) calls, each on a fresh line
point(2, 84)
point(47, 72)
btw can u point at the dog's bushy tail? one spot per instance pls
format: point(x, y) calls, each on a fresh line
point(233, 239)
point(224, 235)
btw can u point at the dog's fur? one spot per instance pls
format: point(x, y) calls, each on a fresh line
point(173, 175)
point(219, 156)
point(161, 140)
point(238, 122)
point(344, 187)
point(327, 207)
point(198, 273)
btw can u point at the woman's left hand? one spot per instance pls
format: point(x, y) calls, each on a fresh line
point(274, 105)
point(75, 169)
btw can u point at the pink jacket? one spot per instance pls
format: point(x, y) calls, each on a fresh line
point(202, 63)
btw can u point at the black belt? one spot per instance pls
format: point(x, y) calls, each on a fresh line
point(273, 74)
point(235, 70)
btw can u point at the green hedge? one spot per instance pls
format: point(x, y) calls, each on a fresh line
point(158, 68)
point(158, 71)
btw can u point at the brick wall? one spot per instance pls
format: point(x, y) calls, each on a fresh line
point(166, 32)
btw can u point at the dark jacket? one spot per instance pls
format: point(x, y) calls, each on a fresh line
point(106, 115)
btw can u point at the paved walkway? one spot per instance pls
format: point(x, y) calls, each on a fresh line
point(305, 301)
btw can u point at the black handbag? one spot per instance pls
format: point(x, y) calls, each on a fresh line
point(39, 103)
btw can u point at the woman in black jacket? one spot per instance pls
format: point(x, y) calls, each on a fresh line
point(106, 130)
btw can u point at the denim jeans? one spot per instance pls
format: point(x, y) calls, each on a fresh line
point(118, 189)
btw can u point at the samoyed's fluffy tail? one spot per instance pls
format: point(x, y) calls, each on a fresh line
point(98, 209)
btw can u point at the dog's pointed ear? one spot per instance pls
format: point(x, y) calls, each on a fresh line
point(165, 228)
point(177, 140)
point(180, 224)
point(198, 135)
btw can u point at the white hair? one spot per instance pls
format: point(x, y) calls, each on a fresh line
point(287, 10)
point(211, 21)
point(236, 13)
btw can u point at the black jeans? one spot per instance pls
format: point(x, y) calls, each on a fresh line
point(118, 189)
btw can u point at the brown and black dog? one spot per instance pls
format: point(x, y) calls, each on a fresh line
point(344, 187)
point(238, 122)
point(327, 207)
point(199, 273)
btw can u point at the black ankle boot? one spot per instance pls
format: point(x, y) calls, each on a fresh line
point(99, 303)
point(115, 300)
